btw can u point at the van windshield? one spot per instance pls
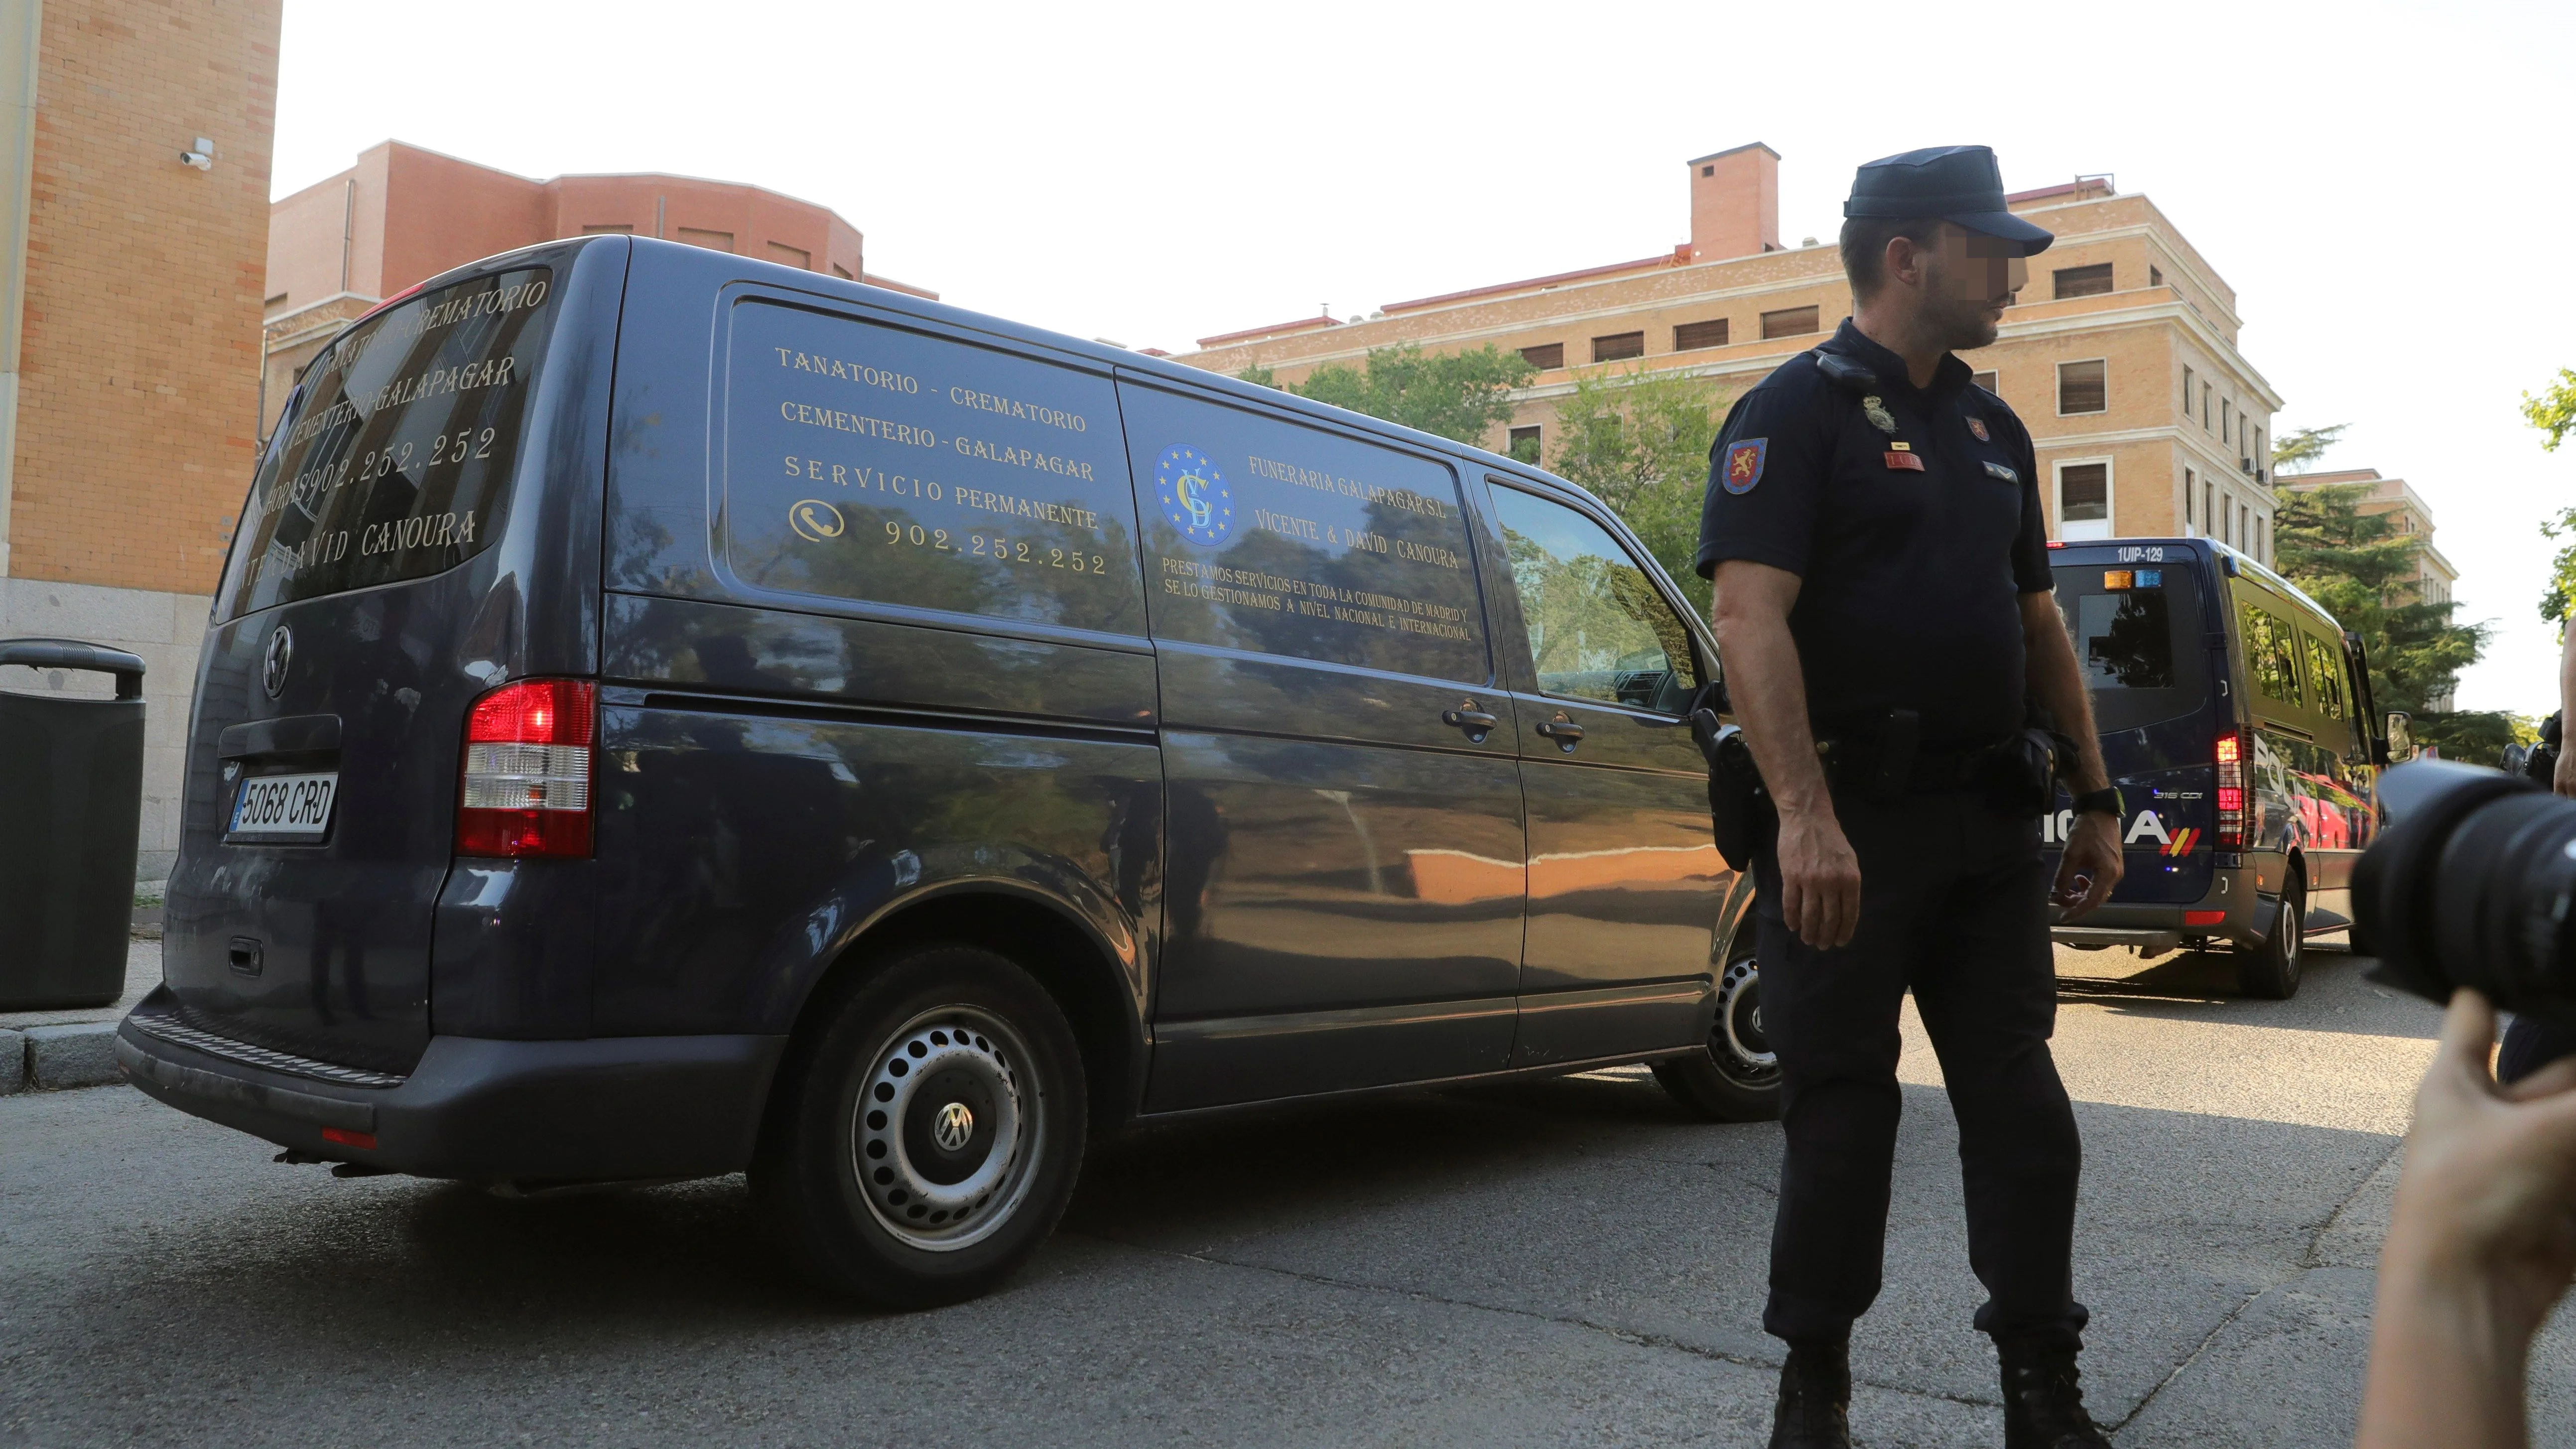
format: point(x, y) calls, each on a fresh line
point(2137, 634)
point(394, 458)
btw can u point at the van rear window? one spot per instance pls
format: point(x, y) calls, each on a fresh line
point(394, 459)
point(2136, 634)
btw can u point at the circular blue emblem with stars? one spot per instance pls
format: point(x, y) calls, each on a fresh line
point(1193, 495)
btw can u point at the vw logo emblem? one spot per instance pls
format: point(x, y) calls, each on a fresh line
point(281, 653)
point(954, 1126)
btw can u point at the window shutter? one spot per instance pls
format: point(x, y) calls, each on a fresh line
point(2090, 281)
point(1546, 357)
point(1691, 336)
point(1788, 322)
point(1991, 382)
point(2084, 492)
point(2081, 388)
point(1618, 345)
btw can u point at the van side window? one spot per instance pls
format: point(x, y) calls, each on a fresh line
point(2325, 674)
point(1597, 627)
point(867, 462)
point(1271, 536)
point(2270, 653)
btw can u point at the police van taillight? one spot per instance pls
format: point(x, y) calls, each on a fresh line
point(526, 790)
point(2231, 790)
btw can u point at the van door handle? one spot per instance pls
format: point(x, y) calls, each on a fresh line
point(1564, 731)
point(1470, 717)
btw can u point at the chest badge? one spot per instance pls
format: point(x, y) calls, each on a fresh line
point(1978, 427)
point(1878, 415)
point(1905, 462)
point(1744, 464)
point(2000, 471)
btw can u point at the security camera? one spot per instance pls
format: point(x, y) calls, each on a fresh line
point(201, 156)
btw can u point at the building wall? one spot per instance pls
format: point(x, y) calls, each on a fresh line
point(139, 367)
point(2167, 310)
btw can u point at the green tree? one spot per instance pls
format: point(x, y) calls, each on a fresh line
point(1639, 440)
point(2303, 449)
point(1461, 396)
point(2364, 573)
point(2554, 411)
point(1258, 375)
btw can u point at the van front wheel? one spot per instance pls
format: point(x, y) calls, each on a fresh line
point(926, 1144)
point(2271, 970)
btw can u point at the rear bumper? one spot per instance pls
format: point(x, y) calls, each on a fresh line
point(2245, 918)
point(479, 1108)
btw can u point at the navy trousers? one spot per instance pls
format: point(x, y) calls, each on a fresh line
point(1954, 908)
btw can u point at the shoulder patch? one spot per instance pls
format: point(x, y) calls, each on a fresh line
point(1744, 464)
point(2000, 471)
point(1977, 425)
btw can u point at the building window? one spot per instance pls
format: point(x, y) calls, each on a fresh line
point(2204, 407)
point(1788, 322)
point(714, 241)
point(1708, 170)
point(1991, 382)
point(1618, 345)
point(2190, 485)
point(2090, 281)
point(1692, 336)
point(1524, 445)
point(2226, 417)
point(2186, 392)
point(1546, 357)
point(2210, 517)
point(2081, 388)
point(797, 257)
point(2243, 534)
point(2083, 500)
point(2155, 276)
point(2262, 536)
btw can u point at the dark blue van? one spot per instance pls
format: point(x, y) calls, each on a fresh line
point(2236, 718)
point(667, 715)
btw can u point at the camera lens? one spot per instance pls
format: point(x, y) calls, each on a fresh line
point(2471, 885)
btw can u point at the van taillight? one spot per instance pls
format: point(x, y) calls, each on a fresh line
point(2231, 791)
point(527, 770)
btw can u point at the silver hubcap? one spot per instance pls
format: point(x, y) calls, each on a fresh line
point(1743, 1052)
point(947, 1131)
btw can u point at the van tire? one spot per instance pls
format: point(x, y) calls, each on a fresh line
point(2272, 969)
point(863, 1159)
point(1733, 1078)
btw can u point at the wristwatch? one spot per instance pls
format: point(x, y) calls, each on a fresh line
point(2107, 800)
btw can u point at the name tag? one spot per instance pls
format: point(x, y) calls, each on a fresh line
point(2000, 471)
point(1905, 462)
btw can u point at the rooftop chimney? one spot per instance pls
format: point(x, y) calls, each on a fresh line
point(1735, 203)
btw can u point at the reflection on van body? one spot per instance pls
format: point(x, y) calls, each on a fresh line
point(783, 725)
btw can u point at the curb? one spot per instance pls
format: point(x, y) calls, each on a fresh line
point(54, 1058)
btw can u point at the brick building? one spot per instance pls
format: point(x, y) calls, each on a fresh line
point(133, 226)
point(403, 214)
point(2121, 355)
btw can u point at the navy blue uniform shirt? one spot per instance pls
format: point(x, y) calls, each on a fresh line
point(1915, 533)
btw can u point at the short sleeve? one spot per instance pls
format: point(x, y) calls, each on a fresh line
point(2031, 573)
point(1767, 474)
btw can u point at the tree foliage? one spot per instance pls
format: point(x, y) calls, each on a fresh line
point(2302, 450)
point(1461, 396)
point(2554, 410)
point(1639, 440)
point(2364, 573)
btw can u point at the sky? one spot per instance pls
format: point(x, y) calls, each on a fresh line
point(2380, 183)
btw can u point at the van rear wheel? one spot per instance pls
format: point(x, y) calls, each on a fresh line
point(1736, 1077)
point(2271, 970)
point(928, 1141)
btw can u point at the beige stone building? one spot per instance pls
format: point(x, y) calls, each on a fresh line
point(2434, 574)
point(2121, 355)
point(134, 165)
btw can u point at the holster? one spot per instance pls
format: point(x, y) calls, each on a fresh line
point(2026, 768)
point(1738, 807)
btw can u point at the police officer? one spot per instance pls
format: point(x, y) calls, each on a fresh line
point(1874, 528)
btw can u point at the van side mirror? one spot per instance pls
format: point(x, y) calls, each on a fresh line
point(2401, 737)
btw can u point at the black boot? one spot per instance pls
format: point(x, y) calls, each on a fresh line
point(1815, 1396)
point(2043, 1407)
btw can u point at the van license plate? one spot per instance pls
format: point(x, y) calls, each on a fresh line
point(284, 807)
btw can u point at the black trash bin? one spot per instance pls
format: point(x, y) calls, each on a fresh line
point(71, 807)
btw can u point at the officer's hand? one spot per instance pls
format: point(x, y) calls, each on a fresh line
point(1819, 879)
point(2092, 850)
point(2564, 781)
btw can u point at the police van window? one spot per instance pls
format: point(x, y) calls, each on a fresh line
point(1597, 627)
point(2271, 653)
point(394, 460)
point(2133, 628)
point(2325, 674)
point(1275, 537)
point(870, 463)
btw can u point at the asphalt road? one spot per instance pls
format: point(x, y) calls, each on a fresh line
point(1564, 1262)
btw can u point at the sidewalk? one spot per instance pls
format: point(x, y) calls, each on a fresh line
point(48, 1050)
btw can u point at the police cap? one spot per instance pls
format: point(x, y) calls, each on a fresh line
point(1955, 183)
